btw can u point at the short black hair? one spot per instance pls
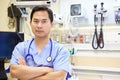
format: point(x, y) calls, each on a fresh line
point(42, 8)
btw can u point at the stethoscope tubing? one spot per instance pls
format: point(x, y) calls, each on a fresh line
point(29, 52)
point(49, 58)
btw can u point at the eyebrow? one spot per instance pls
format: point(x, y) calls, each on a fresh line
point(38, 19)
point(44, 19)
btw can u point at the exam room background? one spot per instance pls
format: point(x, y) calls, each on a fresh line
point(59, 9)
point(89, 58)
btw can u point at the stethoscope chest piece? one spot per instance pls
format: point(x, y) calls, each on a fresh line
point(49, 59)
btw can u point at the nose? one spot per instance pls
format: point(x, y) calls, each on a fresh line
point(39, 25)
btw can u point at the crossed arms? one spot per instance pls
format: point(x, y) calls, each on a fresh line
point(24, 72)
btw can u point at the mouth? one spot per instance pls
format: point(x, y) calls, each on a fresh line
point(39, 31)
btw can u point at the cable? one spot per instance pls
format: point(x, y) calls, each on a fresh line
point(95, 41)
point(101, 39)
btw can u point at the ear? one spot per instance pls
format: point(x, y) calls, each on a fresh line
point(52, 24)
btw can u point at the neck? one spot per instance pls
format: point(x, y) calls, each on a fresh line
point(40, 43)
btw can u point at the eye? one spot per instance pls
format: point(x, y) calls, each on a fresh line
point(44, 21)
point(35, 21)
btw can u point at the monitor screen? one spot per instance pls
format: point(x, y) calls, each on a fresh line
point(8, 40)
point(31, 3)
point(30, 0)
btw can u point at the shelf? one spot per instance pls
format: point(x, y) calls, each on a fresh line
point(96, 70)
point(88, 47)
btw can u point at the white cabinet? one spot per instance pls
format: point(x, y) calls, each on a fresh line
point(95, 73)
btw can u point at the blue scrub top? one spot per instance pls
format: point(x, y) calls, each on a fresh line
point(60, 56)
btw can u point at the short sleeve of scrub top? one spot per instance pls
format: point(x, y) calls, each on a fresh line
point(18, 51)
point(60, 56)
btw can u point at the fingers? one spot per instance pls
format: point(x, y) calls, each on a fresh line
point(21, 61)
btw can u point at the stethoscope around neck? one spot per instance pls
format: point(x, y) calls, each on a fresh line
point(49, 58)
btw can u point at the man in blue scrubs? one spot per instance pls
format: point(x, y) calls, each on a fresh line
point(40, 58)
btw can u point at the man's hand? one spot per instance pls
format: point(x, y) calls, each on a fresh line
point(21, 61)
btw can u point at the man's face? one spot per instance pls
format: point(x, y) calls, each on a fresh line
point(41, 24)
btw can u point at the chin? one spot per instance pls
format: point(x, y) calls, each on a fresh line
point(40, 36)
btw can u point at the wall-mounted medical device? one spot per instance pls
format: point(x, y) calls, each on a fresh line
point(75, 13)
point(75, 9)
point(117, 16)
point(15, 12)
point(78, 15)
point(98, 39)
point(31, 3)
point(57, 18)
